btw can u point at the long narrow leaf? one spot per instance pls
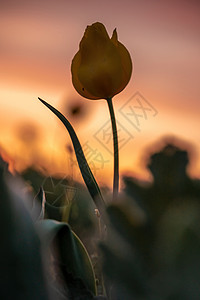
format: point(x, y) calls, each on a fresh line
point(86, 172)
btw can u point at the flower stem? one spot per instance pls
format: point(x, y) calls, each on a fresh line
point(115, 147)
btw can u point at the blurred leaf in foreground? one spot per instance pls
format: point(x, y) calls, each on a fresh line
point(71, 258)
point(38, 208)
point(21, 269)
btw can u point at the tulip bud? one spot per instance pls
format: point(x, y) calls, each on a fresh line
point(102, 67)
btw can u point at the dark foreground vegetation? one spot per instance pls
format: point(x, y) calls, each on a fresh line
point(55, 245)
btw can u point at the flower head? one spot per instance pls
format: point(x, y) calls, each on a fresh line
point(102, 67)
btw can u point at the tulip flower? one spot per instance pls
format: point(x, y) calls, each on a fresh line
point(102, 67)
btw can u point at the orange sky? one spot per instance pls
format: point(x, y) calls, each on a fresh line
point(38, 41)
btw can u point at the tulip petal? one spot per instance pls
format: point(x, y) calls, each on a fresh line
point(76, 82)
point(125, 61)
point(126, 66)
point(93, 42)
point(100, 69)
point(114, 37)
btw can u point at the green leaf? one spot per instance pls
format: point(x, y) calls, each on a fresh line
point(72, 253)
point(21, 267)
point(38, 209)
point(86, 172)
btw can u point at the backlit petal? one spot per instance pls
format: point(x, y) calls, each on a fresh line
point(126, 61)
point(76, 83)
point(126, 66)
point(100, 68)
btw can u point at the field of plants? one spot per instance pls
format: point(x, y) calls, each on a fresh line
point(69, 240)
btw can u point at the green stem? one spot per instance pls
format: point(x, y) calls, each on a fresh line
point(115, 147)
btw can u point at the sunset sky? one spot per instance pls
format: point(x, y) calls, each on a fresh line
point(38, 40)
